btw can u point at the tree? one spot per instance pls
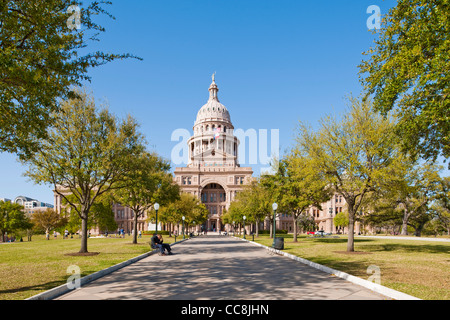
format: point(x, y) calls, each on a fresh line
point(255, 203)
point(341, 220)
point(102, 214)
point(41, 60)
point(47, 220)
point(85, 156)
point(235, 214)
point(306, 223)
point(353, 153)
point(188, 206)
point(12, 218)
point(299, 186)
point(382, 212)
point(410, 187)
point(442, 204)
point(408, 71)
point(148, 181)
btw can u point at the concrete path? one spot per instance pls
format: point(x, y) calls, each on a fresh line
point(220, 267)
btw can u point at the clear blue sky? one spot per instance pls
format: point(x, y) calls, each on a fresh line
point(277, 62)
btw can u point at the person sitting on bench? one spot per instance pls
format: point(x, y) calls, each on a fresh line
point(157, 243)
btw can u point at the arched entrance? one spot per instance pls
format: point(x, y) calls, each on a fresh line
point(214, 197)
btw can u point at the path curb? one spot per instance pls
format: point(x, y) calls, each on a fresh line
point(388, 292)
point(63, 289)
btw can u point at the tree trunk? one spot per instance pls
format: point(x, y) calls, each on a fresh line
point(294, 218)
point(405, 223)
point(271, 228)
point(135, 228)
point(351, 229)
point(84, 235)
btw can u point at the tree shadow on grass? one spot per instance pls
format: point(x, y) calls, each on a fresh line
point(356, 268)
point(339, 240)
point(35, 289)
point(418, 248)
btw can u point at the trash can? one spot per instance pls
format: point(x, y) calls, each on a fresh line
point(279, 244)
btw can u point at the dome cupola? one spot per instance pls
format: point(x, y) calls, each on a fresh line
point(213, 110)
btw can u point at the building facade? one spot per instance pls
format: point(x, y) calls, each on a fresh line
point(213, 173)
point(32, 205)
point(324, 217)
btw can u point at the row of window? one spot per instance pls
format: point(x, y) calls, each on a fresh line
point(213, 210)
point(212, 128)
point(214, 197)
point(188, 180)
point(120, 214)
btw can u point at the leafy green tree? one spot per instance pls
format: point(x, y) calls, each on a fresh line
point(298, 187)
point(382, 213)
point(410, 187)
point(47, 220)
point(103, 214)
point(442, 204)
point(148, 181)
point(256, 202)
point(306, 223)
point(235, 214)
point(408, 71)
point(86, 155)
point(188, 206)
point(341, 220)
point(353, 154)
point(12, 218)
point(41, 59)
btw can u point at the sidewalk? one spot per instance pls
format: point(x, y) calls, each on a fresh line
point(219, 267)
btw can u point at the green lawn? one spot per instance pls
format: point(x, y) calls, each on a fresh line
point(29, 268)
point(418, 268)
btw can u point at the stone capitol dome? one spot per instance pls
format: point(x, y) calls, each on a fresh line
point(213, 110)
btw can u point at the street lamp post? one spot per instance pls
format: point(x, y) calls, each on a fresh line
point(244, 217)
point(274, 207)
point(182, 226)
point(156, 206)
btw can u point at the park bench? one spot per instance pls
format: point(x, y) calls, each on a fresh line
point(153, 246)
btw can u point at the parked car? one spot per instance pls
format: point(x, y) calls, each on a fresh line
point(322, 233)
point(310, 233)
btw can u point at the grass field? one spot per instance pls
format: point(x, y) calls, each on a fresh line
point(418, 268)
point(29, 268)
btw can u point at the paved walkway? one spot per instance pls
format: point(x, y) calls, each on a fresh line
point(218, 267)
